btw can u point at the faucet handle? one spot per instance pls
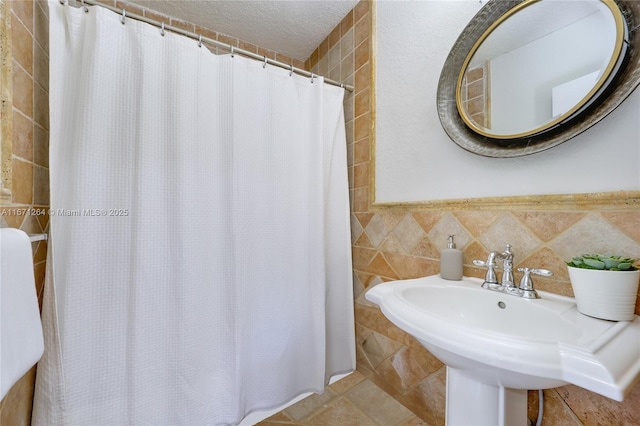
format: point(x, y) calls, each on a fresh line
point(490, 279)
point(526, 284)
point(541, 272)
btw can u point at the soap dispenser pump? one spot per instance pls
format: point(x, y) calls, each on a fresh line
point(451, 261)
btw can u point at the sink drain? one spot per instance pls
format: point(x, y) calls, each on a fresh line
point(502, 305)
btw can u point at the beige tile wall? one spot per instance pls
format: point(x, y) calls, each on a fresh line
point(405, 242)
point(30, 162)
point(30, 123)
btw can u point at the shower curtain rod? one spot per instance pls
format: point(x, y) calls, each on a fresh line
point(200, 39)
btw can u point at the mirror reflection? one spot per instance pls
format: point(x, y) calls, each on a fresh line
point(542, 63)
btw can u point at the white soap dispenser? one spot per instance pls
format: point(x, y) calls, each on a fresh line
point(451, 261)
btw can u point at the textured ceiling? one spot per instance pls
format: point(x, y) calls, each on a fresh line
point(292, 27)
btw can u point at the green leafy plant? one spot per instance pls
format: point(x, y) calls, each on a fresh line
point(602, 262)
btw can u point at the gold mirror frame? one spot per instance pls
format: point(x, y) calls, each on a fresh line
point(624, 83)
point(6, 148)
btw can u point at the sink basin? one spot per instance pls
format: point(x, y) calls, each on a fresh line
point(497, 346)
point(493, 312)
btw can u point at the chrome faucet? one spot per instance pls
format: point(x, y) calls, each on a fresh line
point(524, 289)
point(508, 280)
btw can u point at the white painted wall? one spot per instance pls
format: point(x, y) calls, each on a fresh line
point(416, 160)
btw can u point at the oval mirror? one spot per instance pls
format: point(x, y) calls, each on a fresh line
point(527, 75)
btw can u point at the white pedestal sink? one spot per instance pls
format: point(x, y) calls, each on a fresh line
point(497, 346)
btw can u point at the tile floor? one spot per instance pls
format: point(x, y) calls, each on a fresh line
point(352, 401)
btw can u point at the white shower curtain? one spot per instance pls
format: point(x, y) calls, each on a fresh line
point(199, 259)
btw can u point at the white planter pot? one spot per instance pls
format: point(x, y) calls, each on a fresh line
point(609, 295)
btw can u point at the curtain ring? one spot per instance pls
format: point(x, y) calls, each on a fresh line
point(290, 70)
point(200, 40)
point(84, 6)
point(312, 78)
point(124, 15)
point(62, 2)
point(265, 62)
point(232, 54)
point(162, 30)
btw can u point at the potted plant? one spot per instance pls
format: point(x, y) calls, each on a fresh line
point(605, 286)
